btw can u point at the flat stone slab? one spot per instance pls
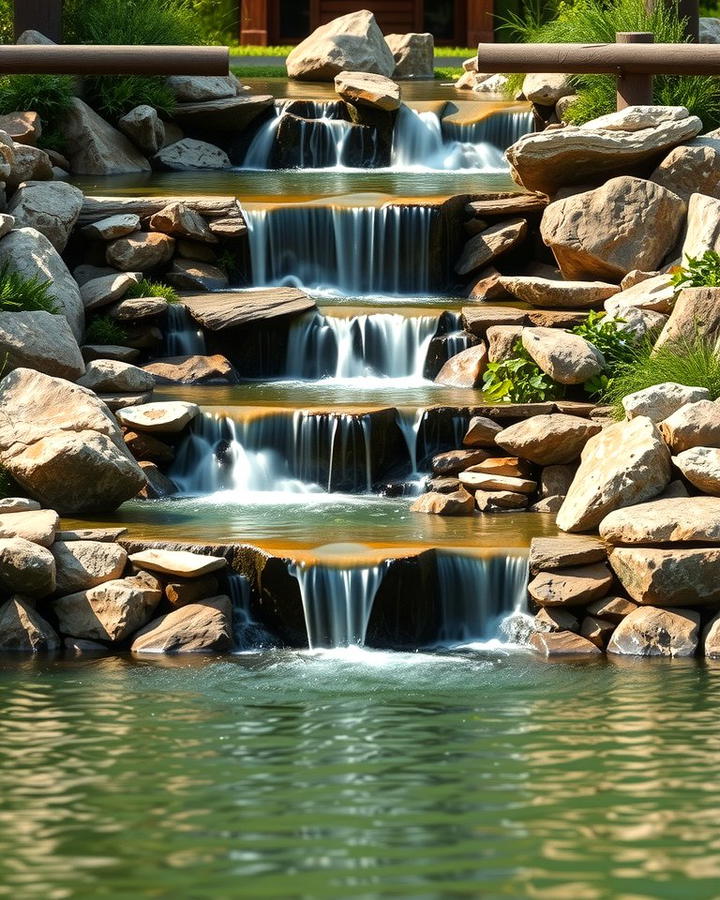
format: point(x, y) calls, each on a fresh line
point(563, 643)
point(477, 320)
point(106, 535)
point(38, 526)
point(672, 520)
point(178, 562)
point(221, 310)
point(515, 205)
point(559, 552)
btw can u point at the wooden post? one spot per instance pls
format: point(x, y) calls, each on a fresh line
point(690, 11)
point(634, 89)
point(254, 22)
point(44, 16)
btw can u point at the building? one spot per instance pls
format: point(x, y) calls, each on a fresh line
point(453, 22)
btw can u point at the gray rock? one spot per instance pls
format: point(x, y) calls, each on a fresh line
point(414, 55)
point(85, 564)
point(188, 155)
point(96, 148)
point(26, 568)
point(23, 630)
point(42, 341)
point(145, 129)
point(112, 227)
point(50, 207)
point(107, 289)
point(107, 376)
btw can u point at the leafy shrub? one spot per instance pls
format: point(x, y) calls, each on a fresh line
point(18, 293)
point(616, 344)
point(695, 363)
point(115, 95)
point(519, 380)
point(103, 330)
point(146, 288)
point(7, 31)
point(703, 271)
point(47, 95)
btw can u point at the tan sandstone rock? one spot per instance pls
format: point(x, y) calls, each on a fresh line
point(669, 520)
point(491, 243)
point(674, 577)
point(368, 89)
point(197, 627)
point(696, 315)
point(563, 643)
point(660, 401)
point(571, 586)
point(85, 564)
point(548, 440)
point(23, 630)
point(549, 293)
point(693, 425)
point(649, 631)
point(465, 369)
point(457, 503)
point(567, 358)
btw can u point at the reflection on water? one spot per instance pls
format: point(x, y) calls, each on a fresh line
point(356, 774)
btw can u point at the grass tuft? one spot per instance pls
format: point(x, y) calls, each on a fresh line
point(103, 330)
point(147, 288)
point(18, 293)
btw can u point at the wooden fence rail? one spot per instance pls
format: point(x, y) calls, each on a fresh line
point(95, 59)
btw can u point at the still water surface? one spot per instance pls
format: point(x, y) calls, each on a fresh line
point(478, 773)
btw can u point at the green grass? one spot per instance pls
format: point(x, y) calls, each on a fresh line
point(448, 73)
point(694, 363)
point(244, 72)
point(103, 330)
point(18, 293)
point(146, 288)
point(47, 95)
point(285, 49)
point(115, 95)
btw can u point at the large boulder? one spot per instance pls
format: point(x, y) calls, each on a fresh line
point(696, 315)
point(39, 340)
point(96, 148)
point(32, 255)
point(188, 155)
point(693, 425)
point(61, 443)
point(626, 224)
point(549, 293)
point(669, 577)
point(108, 376)
point(26, 568)
point(693, 169)
point(85, 564)
point(648, 631)
point(665, 521)
point(112, 611)
point(567, 358)
point(414, 55)
point(465, 369)
point(626, 463)
point(194, 628)
point(22, 629)
point(572, 586)
point(662, 400)
point(144, 127)
point(611, 145)
point(352, 43)
point(702, 231)
point(51, 207)
point(548, 440)
point(368, 89)
point(701, 467)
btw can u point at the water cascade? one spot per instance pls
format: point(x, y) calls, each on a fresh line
point(477, 592)
point(337, 602)
point(183, 337)
point(353, 249)
point(247, 633)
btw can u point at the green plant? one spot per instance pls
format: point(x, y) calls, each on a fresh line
point(228, 262)
point(519, 380)
point(103, 330)
point(617, 345)
point(18, 293)
point(7, 32)
point(695, 363)
point(115, 95)
point(146, 288)
point(702, 271)
point(47, 95)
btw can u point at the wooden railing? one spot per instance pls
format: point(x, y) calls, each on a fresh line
point(93, 59)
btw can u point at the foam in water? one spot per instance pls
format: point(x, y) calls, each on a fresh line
point(477, 593)
point(337, 602)
point(354, 249)
point(183, 337)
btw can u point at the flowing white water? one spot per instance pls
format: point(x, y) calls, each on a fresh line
point(248, 634)
point(337, 602)
point(378, 345)
point(354, 249)
point(476, 593)
point(409, 422)
point(183, 337)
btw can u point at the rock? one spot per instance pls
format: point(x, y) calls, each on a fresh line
point(39, 340)
point(31, 36)
point(52, 208)
point(197, 88)
point(36, 526)
point(99, 292)
point(688, 170)
point(112, 227)
point(228, 227)
point(465, 369)
point(180, 220)
point(138, 308)
point(486, 285)
point(414, 55)
point(162, 418)
point(572, 586)
point(481, 481)
point(546, 88)
point(648, 631)
point(696, 316)
point(702, 231)
point(548, 440)
point(502, 340)
point(33, 256)
point(673, 577)
point(597, 630)
point(553, 294)
point(23, 127)
point(140, 252)
point(157, 485)
point(458, 503)
point(84, 273)
point(26, 568)
point(640, 323)
point(220, 311)
point(145, 446)
point(188, 155)
point(195, 250)
point(481, 432)
point(693, 425)
point(567, 358)
point(555, 619)
point(701, 467)
point(611, 609)
point(63, 446)
point(665, 521)
point(231, 114)
point(368, 89)
point(504, 465)
point(22, 629)
point(106, 376)
point(17, 504)
point(549, 160)
point(656, 294)
point(564, 552)
point(145, 129)
point(480, 319)
point(111, 611)
point(192, 370)
point(624, 464)
point(500, 501)
point(491, 243)
point(85, 564)
point(180, 563)
point(197, 627)
point(79, 646)
point(106, 535)
point(455, 461)
point(96, 148)
point(709, 30)
point(180, 593)
point(190, 275)
point(556, 480)
point(711, 638)
point(443, 485)
point(351, 43)
point(547, 505)
point(31, 164)
point(603, 234)
point(661, 400)
point(563, 643)
point(109, 351)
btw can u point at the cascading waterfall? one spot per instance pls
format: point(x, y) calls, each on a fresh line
point(500, 129)
point(378, 345)
point(337, 602)
point(475, 593)
point(334, 443)
point(247, 633)
point(409, 422)
point(354, 249)
point(183, 337)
